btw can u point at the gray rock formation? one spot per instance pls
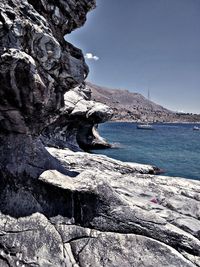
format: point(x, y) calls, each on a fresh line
point(62, 208)
point(37, 66)
point(110, 213)
point(76, 126)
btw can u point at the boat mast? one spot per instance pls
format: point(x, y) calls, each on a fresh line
point(149, 95)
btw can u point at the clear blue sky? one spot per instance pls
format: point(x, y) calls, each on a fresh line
point(146, 44)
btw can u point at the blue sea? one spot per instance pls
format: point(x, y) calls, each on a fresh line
point(175, 148)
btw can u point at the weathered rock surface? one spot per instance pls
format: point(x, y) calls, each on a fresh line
point(163, 211)
point(37, 67)
point(109, 213)
point(76, 126)
point(63, 208)
point(81, 161)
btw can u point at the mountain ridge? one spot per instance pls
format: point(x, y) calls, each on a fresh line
point(131, 106)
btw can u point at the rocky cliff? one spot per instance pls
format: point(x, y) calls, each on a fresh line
point(37, 68)
point(64, 208)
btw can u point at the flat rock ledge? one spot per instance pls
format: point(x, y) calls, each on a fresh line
point(108, 213)
point(138, 219)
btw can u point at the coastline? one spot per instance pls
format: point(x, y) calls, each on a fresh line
point(173, 149)
point(132, 204)
point(167, 122)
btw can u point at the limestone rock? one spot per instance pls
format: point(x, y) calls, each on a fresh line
point(76, 127)
point(129, 202)
point(117, 250)
point(81, 161)
point(63, 208)
point(37, 66)
point(109, 213)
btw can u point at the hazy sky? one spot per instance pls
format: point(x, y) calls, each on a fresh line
point(145, 44)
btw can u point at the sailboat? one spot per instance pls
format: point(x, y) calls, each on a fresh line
point(146, 125)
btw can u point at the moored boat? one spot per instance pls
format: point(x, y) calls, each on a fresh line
point(196, 128)
point(145, 126)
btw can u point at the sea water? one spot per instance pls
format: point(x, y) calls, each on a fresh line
point(175, 148)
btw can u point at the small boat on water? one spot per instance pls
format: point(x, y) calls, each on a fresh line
point(196, 128)
point(145, 126)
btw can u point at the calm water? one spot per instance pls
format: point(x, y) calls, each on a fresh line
point(172, 147)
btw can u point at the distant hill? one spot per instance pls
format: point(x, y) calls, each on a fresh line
point(129, 106)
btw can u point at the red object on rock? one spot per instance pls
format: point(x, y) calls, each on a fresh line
point(154, 200)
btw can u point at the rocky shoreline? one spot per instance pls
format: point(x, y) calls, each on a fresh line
point(162, 122)
point(60, 206)
point(102, 213)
